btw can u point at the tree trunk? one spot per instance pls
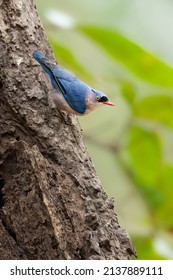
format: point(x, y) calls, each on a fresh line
point(52, 205)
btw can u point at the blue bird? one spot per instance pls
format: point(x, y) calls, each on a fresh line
point(71, 94)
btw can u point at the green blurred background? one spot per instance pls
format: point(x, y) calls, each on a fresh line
point(125, 49)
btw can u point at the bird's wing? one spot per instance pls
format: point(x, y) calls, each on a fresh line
point(76, 92)
point(73, 90)
point(61, 75)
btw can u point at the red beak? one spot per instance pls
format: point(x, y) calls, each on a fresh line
point(109, 103)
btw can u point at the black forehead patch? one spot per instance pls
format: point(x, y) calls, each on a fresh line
point(103, 99)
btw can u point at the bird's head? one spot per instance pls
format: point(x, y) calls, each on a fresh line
point(100, 98)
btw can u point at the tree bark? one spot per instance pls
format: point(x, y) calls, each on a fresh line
point(52, 205)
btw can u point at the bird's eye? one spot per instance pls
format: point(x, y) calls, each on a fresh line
point(97, 98)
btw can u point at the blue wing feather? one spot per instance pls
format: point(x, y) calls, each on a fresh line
point(76, 94)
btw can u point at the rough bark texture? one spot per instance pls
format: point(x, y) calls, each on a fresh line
point(52, 205)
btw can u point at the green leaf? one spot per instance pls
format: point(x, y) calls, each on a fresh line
point(152, 176)
point(128, 91)
point(144, 150)
point(156, 107)
point(145, 65)
point(164, 209)
point(145, 248)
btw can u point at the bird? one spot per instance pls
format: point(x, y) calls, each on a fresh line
point(69, 93)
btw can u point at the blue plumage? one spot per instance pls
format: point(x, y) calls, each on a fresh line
point(70, 94)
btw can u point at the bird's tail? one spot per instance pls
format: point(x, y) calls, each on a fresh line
point(46, 64)
point(38, 56)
